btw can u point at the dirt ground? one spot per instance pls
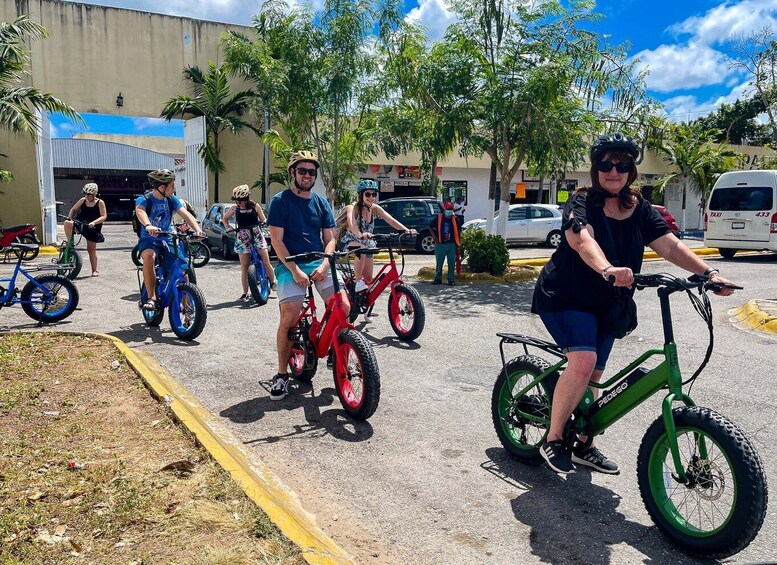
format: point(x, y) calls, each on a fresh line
point(93, 469)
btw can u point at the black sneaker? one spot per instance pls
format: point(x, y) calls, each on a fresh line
point(435, 281)
point(554, 453)
point(595, 459)
point(330, 359)
point(280, 387)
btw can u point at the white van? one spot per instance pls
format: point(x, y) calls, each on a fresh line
point(742, 212)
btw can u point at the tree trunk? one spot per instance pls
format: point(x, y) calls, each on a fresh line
point(685, 191)
point(491, 198)
point(433, 177)
point(539, 192)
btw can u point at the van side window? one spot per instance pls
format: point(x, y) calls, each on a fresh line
point(742, 199)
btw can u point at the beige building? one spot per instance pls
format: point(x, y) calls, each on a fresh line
point(92, 54)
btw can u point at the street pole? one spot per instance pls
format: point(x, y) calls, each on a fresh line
point(266, 159)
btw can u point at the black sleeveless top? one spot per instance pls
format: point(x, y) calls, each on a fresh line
point(246, 218)
point(87, 214)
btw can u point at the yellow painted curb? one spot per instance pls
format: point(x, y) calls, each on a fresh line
point(254, 477)
point(751, 315)
point(528, 273)
point(48, 250)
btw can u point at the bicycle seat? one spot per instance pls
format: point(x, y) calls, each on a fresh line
point(366, 252)
point(15, 228)
point(24, 246)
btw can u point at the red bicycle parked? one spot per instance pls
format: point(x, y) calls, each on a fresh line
point(24, 233)
point(355, 368)
point(406, 311)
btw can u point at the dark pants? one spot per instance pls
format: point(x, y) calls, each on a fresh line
point(441, 251)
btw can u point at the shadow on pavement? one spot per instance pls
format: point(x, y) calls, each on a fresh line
point(573, 520)
point(385, 342)
point(334, 422)
point(140, 332)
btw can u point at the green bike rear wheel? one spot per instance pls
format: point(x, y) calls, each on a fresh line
point(722, 507)
point(522, 423)
point(74, 257)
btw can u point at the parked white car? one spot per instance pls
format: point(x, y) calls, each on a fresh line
point(529, 223)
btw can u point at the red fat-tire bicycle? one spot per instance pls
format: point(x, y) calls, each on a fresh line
point(406, 311)
point(354, 365)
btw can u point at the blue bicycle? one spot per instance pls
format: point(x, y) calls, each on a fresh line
point(258, 282)
point(184, 301)
point(46, 298)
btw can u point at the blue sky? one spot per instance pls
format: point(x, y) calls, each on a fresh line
point(683, 42)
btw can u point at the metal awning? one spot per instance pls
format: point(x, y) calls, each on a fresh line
point(70, 153)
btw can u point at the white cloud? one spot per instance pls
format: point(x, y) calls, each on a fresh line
point(675, 67)
point(434, 16)
point(140, 124)
point(229, 11)
point(683, 108)
point(729, 20)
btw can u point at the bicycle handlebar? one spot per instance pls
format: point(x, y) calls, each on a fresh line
point(312, 255)
point(676, 283)
point(74, 220)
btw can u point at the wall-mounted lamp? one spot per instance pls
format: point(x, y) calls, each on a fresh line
point(119, 100)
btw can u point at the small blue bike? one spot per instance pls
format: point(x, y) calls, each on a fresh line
point(258, 281)
point(184, 300)
point(46, 298)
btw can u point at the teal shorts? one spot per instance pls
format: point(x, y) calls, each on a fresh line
point(290, 291)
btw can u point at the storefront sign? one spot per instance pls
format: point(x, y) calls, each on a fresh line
point(520, 190)
point(386, 186)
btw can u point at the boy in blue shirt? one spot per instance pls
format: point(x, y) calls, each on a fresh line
point(155, 214)
point(300, 222)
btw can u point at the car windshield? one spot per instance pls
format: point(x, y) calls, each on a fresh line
point(742, 199)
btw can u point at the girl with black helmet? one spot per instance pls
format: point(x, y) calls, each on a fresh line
point(249, 216)
point(90, 210)
point(606, 228)
point(360, 225)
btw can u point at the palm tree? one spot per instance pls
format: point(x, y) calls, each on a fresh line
point(212, 99)
point(19, 102)
point(696, 157)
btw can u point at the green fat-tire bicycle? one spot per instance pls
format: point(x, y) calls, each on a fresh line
point(700, 477)
point(69, 257)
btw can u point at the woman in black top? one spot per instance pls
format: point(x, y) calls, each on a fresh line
point(90, 210)
point(249, 217)
point(606, 228)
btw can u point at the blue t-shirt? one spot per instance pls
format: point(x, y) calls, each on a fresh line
point(302, 220)
point(158, 214)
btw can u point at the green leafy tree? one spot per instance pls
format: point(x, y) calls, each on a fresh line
point(756, 55)
point(329, 94)
point(428, 90)
point(212, 98)
point(697, 159)
point(540, 79)
point(19, 102)
point(737, 124)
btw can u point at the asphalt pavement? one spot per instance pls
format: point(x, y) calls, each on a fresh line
point(425, 479)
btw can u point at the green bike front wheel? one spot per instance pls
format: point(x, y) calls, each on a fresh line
point(722, 506)
point(72, 258)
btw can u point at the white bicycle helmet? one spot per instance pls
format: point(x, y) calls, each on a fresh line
point(90, 188)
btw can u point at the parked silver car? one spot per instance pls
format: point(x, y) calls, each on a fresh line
point(528, 223)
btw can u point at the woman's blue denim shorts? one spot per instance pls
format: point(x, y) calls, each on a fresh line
point(578, 331)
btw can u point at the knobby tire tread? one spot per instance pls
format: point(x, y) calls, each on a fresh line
point(419, 312)
point(66, 283)
point(370, 375)
point(752, 493)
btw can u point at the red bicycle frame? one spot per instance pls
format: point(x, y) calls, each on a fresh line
point(323, 333)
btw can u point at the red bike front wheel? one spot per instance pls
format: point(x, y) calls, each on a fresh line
point(357, 377)
point(407, 315)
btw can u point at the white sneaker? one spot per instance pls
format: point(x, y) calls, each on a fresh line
point(361, 285)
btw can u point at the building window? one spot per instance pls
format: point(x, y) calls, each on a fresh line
point(453, 189)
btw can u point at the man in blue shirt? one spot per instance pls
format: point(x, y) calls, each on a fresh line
point(155, 214)
point(300, 222)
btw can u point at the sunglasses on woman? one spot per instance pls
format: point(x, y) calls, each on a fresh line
point(607, 166)
point(370, 194)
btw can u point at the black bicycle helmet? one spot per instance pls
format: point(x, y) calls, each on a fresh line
point(614, 142)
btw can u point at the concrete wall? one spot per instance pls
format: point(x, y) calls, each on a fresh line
point(21, 202)
point(93, 53)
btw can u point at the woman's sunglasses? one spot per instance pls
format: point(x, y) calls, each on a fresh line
point(607, 166)
point(370, 194)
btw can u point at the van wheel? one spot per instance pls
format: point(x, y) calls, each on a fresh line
point(727, 253)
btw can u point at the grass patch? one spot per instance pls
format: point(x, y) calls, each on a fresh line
point(81, 468)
